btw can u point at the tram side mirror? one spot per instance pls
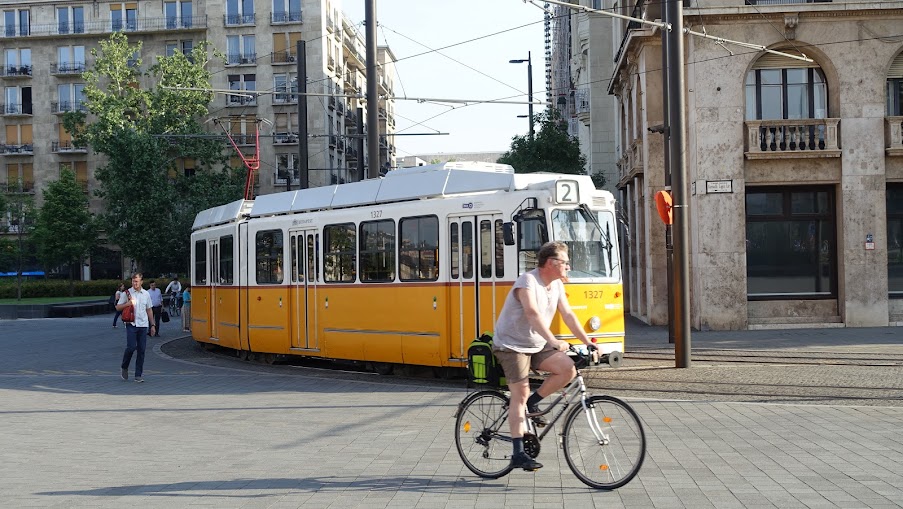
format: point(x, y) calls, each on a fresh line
point(508, 233)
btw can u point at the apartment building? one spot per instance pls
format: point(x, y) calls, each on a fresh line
point(795, 168)
point(578, 71)
point(47, 45)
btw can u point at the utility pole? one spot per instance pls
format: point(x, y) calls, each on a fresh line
point(678, 107)
point(303, 165)
point(666, 135)
point(359, 144)
point(529, 62)
point(372, 92)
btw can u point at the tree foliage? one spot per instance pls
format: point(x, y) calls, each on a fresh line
point(143, 123)
point(64, 232)
point(20, 211)
point(550, 150)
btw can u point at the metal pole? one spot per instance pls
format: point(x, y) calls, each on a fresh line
point(372, 92)
point(669, 245)
point(303, 163)
point(677, 108)
point(530, 91)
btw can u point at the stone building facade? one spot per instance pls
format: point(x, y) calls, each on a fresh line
point(795, 168)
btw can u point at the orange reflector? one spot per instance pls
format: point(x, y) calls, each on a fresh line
point(606, 419)
point(467, 427)
point(603, 467)
point(617, 294)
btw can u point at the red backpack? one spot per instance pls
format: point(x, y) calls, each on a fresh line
point(128, 313)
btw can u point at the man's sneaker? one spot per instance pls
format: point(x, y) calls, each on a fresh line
point(124, 373)
point(538, 420)
point(522, 460)
point(139, 379)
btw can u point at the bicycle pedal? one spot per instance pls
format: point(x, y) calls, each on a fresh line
point(539, 422)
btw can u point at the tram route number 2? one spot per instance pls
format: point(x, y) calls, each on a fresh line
point(376, 214)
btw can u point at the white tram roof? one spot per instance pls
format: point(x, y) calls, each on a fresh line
point(432, 181)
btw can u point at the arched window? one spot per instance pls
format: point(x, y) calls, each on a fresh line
point(780, 87)
point(895, 88)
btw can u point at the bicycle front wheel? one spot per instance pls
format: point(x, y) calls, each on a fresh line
point(482, 434)
point(604, 443)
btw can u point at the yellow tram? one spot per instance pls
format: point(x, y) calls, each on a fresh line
point(405, 269)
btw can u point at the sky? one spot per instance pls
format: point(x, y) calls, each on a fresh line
point(410, 28)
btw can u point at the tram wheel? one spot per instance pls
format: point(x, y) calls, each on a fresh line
point(242, 354)
point(382, 368)
point(269, 358)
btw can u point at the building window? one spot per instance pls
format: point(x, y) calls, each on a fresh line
point(18, 101)
point(285, 86)
point(177, 14)
point(240, 49)
point(790, 243)
point(286, 128)
point(19, 138)
point(18, 62)
point(340, 253)
point(80, 169)
point(284, 46)
point(70, 20)
point(239, 12)
point(418, 255)
point(285, 11)
point(377, 251)
point(70, 59)
point(20, 178)
point(240, 83)
point(895, 239)
point(287, 167)
point(16, 17)
point(124, 16)
point(788, 93)
point(71, 97)
point(269, 257)
point(895, 87)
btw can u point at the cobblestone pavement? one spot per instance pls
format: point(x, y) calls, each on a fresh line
point(808, 418)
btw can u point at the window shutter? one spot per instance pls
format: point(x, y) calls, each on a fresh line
point(896, 68)
point(772, 61)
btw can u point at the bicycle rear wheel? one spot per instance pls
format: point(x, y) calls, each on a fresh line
point(612, 459)
point(482, 435)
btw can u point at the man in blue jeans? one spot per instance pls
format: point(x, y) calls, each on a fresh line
point(136, 332)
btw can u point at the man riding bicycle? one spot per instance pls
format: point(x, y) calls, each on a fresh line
point(523, 340)
point(174, 290)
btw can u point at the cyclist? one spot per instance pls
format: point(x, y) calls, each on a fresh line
point(523, 340)
point(173, 290)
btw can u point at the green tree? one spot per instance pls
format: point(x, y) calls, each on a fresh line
point(550, 150)
point(20, 212)
point(64, 232)
point(146, 133)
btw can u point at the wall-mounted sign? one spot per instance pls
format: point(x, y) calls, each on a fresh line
point(719, 186)
point(869, 242)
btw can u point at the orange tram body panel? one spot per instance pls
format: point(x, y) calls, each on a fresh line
point(405, 269)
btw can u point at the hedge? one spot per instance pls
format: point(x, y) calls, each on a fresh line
point(60, 287)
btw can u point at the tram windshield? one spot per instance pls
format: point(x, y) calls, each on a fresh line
point(593, 252)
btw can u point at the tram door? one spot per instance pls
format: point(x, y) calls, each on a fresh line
point(213, 257)
point(473, 307)
point(305, 269)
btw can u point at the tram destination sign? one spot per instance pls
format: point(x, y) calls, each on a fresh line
point(719, 186)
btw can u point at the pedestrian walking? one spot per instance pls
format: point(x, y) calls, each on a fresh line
point(139, 320)
point(156, 297)
point(186, 309)
point(116, 297)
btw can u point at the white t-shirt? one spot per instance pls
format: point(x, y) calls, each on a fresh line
point(512, 330)
point(173, 286)
point(142, 301)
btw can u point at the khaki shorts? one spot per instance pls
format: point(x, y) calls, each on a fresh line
point(517, 365)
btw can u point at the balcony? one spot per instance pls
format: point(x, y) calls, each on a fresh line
point(792, 139)
point(12, 71)
point(282, 174)
point(67, 106)
point(281, 18)
point(333, 139)
point(241, 59)
point(237, 20)
point(25, 149)
point(340, 146)
point(237, 100)
point(22, 186)
point(893, 136)
point(285, 97)
point(351, 118)
point(581, 98)
point(285, 138)
point(350, 153)
point(64, 68)
point(15, 109)
point(67, 147)
point(331, 102)
point(340, 108)
point(283, 57)
point(330, 63)
point(106, 26)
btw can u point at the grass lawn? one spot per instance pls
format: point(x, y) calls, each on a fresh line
point(53, 300)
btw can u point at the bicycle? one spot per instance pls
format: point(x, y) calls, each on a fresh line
point(173, 305)
point(602, 437)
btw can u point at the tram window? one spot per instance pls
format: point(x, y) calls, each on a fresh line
point(313, 258)
point(269, 257)
point(531, 236)
point(455, 249)
point(297, 265)
point(339, 255)
point(486, 248)
point(226, 257)
point(419, 248)
point(200, 262)
point(467, 248)
point(377, 247)
point(499, 249)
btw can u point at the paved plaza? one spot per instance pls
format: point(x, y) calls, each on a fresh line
point(752, 424)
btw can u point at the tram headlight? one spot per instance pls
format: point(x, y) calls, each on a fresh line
point(595, 323)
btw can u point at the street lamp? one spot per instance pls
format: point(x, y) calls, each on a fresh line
point(529, 86)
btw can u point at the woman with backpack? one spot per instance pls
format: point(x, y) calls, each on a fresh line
point(115, 300)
